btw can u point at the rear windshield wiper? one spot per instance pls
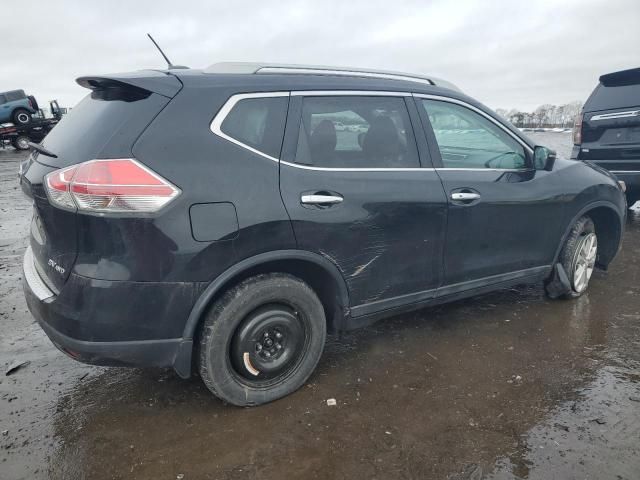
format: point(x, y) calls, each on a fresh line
point(42, 150)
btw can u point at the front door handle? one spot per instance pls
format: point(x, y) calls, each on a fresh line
point(320, 199)
point(465, 196)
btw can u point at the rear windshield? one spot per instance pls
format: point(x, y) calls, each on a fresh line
point(105, 124)
point(609, 98)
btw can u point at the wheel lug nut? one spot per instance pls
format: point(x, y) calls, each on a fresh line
point(267, 354)
point(258, 347)
point(278, 335)
point(278, 346)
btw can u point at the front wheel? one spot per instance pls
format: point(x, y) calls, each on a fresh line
point(579, 255)
point(261, 340)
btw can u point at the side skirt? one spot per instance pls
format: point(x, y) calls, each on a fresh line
point(369, 313)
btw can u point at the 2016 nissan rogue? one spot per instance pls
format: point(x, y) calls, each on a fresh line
point(225, 219)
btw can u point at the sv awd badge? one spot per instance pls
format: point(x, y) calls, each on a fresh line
point(56, 267)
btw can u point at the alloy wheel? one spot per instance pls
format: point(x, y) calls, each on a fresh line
point(584, 262)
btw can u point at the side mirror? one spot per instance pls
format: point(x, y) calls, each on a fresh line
point(543, 158)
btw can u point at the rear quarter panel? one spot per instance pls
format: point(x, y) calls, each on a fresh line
point(180, 146)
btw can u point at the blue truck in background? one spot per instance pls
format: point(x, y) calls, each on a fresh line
point(17, 107)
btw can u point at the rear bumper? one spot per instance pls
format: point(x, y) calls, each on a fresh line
point(94, 324)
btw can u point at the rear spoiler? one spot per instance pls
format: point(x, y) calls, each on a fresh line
point(152, 81)
point(621, 78)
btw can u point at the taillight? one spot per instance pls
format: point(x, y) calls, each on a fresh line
point(577, 130)
point(109, 186)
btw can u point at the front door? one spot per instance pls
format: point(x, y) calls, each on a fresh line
point(352, 183)
point(504, 218)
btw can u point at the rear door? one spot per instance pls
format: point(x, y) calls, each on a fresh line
point(352, 182)
point(504, 217)
point(611, 124)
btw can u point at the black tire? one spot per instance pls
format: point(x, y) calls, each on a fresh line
point(21, 116)
point(232, 339)
point(21, 142)
point(581, 229)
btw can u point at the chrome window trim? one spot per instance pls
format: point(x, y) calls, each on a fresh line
point(625, 171)
point(611, 116)
point(477, 110)
point(465, 169)
point(219, 118)
point(347, 169)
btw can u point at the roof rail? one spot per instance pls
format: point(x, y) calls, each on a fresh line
point(288, 69)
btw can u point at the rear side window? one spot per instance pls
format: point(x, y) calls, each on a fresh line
point(15, 95)
point(609, 98)
point(356, 132)
point(3, 99)
point(258, 123)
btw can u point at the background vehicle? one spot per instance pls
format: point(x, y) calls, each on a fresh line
point(17, 107)
point(19, 136)
point(239, 244)
point(607, 132)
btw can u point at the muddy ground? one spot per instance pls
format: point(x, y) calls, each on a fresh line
point(506, 385)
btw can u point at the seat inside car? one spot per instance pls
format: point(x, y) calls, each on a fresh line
point(322, 142)
point(381, 143)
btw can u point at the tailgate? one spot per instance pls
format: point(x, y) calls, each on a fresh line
point(105, 124)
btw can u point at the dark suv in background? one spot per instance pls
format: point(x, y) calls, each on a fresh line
point(225, 219)
point(607, 132)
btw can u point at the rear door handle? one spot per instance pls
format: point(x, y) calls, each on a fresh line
point(320, 199)
point(465, 196)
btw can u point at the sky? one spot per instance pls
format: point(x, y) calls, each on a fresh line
point(507, 54)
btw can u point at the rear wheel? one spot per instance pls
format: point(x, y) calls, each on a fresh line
point(578, 257)
point(21, 143)
point(21, 117)
point(261, 340)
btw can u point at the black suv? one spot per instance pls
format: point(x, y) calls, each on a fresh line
point(225, 219)
point(607, 132)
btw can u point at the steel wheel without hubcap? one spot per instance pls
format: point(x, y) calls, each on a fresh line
point(267, 346)
point(584, 262)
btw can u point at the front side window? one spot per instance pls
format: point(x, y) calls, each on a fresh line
point(258, 123)
point(356, 132)
point(466, 139)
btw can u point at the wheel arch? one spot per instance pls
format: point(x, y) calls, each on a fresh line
point(320, 273)
point(609, 226)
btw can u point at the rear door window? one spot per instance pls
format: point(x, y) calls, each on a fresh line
point(356, 132)
point(15, 95)
point(258, 123)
